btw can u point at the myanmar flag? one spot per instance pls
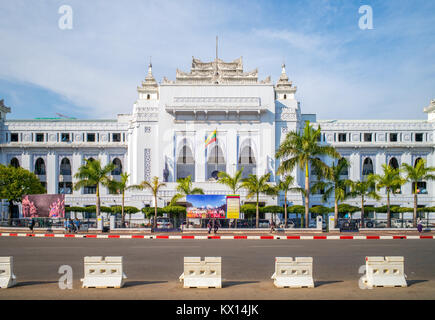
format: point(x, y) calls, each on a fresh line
point(211, 138)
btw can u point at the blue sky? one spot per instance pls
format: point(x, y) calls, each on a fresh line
point(341, 72)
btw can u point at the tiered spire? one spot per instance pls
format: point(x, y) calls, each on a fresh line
point(284, 86)
point(150, 85)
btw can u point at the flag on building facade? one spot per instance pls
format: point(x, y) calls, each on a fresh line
point(211, 138)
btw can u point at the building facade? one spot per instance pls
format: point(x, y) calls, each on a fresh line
point(165, 135)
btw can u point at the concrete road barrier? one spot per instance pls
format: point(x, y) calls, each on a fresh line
point(291, 273)
point(7, 277)
point(103, 273)
point(202, 274)
point(385, 272)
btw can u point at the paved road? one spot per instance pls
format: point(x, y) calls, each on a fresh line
point(153, 268)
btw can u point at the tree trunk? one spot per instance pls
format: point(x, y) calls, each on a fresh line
point(388, 209)
point(307, 195)
point(257, 215)
point(11, 204)
point(97, 205)
point(362, 211)
point(415, 209)
point(155, 212)
point(285, 208)
point(122, 209)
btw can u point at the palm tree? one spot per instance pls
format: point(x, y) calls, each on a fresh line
point(303, 150)
point(154, 186)
point(414, 175)
point(255, 186)
point(233, 182)
point(92, 174)
point(285, 186)
point(184, 188)
point(334, 184)
point(391, 181)
point(364, 189)
point(121, 187)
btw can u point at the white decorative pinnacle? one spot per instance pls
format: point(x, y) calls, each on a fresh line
point(150, 70)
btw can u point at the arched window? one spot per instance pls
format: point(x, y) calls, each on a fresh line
point(118, 170)
point(367, 167)
point(247, 161)
point(65, 167)
point(394, 163)
point(215, 163)
point(40, 167)
point(148, 96)
point(185, 163)
point(285, 96)
point(90, 189)
point(421, 185)
point(15, 163)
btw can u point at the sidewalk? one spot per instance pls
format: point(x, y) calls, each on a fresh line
point(306, 235)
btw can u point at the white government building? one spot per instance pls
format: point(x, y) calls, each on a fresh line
point(165, 136)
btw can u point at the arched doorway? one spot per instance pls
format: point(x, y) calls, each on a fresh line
point(215, 163)
point(185, 163)
point(40, 171)
point(65, 179)
point(367, 168)
point(15, 162)
point(247, 161)
point(393, 163)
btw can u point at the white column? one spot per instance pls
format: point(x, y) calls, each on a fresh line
point(104, 158)
point(355, 167)
point(200, 161)
point(407, 187)
point(77, 159)
point(26, 162)
point(232, 151)
point(381, 159)
point(52, 172)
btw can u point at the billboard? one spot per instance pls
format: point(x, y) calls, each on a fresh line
point(43, 205)
point(206, 206)
point(233, 207)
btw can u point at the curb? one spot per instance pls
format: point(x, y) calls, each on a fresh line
point(105, 236)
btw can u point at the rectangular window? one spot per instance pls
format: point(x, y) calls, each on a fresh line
point(90, 190)
point(393, 137)
point(39, 137)
point(90, 137)
point(116, 137)
point(419, 137)
point(65, 188)
point(14, 137)
point(342, 137)
point(65, 137)
point(367, 137)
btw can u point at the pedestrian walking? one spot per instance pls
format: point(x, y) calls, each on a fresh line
point(32, 224)
point(209, 226)
point(77, 224)
point(419, 226)
point(272, 226)
point(216, 226)
point(70, 225)
point(65, 225)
